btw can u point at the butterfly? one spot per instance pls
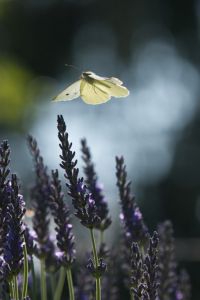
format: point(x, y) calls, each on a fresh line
point(93, 89)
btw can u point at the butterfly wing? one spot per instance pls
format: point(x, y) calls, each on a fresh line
point(93, 89)
point(115, 88)
point(70, 93)
point(115, 80)
point(92, 92)
point(112, 86)
point(100, 78)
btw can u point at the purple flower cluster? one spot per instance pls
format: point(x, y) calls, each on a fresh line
point(60, 211)
point(4, 173)
point(144, 279)
point(12, 210)
point(173, 285)
point(13, 245)
point(149, 261)
point(40, 195)
point(131, 217)
point(95, 188)
point(84, 204)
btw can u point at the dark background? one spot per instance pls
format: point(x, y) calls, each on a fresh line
point(153, 46)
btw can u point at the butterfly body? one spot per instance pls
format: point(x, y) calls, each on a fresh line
point(93, 89)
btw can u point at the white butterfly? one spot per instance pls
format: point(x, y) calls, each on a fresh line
point(93, 89)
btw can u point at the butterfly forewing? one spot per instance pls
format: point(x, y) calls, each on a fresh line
point(116, 90)
point(115, 80)
point(70, 93)
point(93, 93)
point(109, 86)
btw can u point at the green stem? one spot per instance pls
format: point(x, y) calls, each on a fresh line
point(16, 292)
point(11, 289)
point(98, 279)
point(25, 277)
point(142, 251)
point(52, 282)
point(70, 284)
point(34, 279)
point(132, 296)
point(101, 237)
point(43, 280)
point(59, 287)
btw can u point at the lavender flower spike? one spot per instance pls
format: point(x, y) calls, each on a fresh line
point(4, 199)
point(65, 237)
point(13, 246)
point(4, 162)
point(95, 188)
point(82, 200)
point(40, 195)
point(151, 268)
point(144, 278)
point(131, 217)
point(167, 263)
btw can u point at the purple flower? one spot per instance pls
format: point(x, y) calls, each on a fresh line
point(167, 263)
point(131, 217)
point(99, 271)
point(82, 201)
point(60, 211)
point(4, 189)
point(184, 286)
point(4, 162)
point(13, 244)
point(151, 267)
point(95, 188)
point(144, 278)
point(40, 195)
point(179, 295)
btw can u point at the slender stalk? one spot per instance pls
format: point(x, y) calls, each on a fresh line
point(101, 237)
point(16, 291)
point(11, 289)
point(59, 287)
point(52, 282)
point(98, 279)
point(142, 251)
point(34, 279)
point(43, 280)
point(25, 277)
point(70, 284)
point(132, 296)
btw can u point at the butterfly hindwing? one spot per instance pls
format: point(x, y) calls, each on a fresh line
point(70, 93)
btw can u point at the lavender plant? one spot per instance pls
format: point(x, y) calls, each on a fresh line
point(173, 284)
point(65, 237)
point(4, 173)
point(82, 200)
point(145, 271)
point(134, 228)
point(13, 249)
point(40, 195)
point(152, 272)
point(95, 188)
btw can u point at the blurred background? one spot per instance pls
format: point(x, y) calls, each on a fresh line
point(154, 47)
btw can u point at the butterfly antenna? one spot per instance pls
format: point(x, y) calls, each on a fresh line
point(72, 66)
